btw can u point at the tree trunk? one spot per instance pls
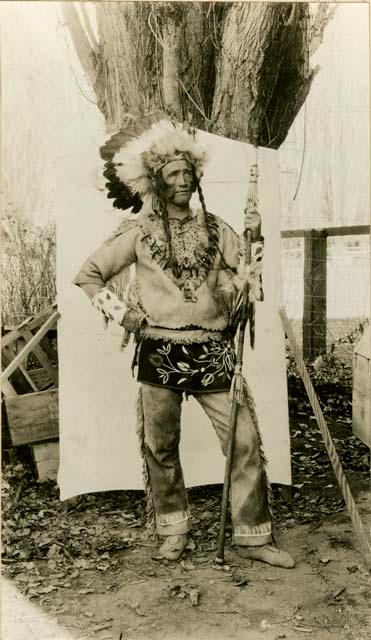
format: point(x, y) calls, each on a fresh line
point(127, 62)
point(240, 70)
point(263, 72)
point(171, 56)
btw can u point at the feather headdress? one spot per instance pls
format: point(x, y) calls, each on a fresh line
point(133, 160)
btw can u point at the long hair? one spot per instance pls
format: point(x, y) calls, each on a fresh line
point(161, 208)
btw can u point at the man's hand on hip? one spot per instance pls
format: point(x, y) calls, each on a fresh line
point(133, 320)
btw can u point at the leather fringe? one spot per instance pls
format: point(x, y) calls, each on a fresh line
point(251, 405)
point(237, 386)
point(182, 336)
point(150, 510)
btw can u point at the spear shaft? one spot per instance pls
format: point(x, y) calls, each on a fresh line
point(237, 389)
point(234, 412)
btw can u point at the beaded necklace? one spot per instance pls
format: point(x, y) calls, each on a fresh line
point(195, 245)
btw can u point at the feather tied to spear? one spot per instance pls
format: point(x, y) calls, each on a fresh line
point(249, 274)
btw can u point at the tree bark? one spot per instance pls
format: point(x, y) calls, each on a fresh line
point(127, 62)
point(155, 57)
point(171, 56)
point(264, 56)
point(240, 70)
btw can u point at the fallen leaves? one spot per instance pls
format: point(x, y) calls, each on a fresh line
point(101, 627)
point(187, 565)
point(241, 583)
point(50, 551)
point(48, 589)
point(337, 594)
point(194, 596)
point(264, 625)
point(226, 612)
point(183, 591)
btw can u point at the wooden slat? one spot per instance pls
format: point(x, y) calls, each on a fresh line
point(7, 389)
point(45, 451)
point(49, 349)
point(31, 323)
point(355, 230)
point(42, 357)
point(30, 346)
point(33, 417)
point(17, 380)
point(46, 457)
point(40, 378)
point(47, 469)
point(29, 379)
point(315, 294)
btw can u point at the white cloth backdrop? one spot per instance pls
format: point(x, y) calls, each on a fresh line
point(97, 395)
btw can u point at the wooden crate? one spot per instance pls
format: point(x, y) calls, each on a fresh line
point(46, 456)
point(31, 404)
point(33, 417)
point(16, 379)
point(40, 377)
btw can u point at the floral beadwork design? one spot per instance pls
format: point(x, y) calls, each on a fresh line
point(215, 360)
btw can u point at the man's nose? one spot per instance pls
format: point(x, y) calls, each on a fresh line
point(182, 179)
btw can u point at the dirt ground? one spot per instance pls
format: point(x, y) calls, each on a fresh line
point(92, 573)
point(132, 594)
point(326, 596)
point(127, 592)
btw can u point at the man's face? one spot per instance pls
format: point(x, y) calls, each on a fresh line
point(178, 178)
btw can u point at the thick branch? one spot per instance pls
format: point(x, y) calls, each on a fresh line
point(128, 75)
point(84, 50)
point(171, 41)
point(88, 27)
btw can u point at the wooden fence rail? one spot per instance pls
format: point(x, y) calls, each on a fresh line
point(315, 282)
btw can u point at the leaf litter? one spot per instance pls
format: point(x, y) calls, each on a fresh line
point(47, 549)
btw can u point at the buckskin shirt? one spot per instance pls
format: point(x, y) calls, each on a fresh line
point(184, 342)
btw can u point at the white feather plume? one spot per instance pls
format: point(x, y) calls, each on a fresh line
point(139, 160)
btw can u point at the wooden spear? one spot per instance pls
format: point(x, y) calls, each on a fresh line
point(237, 388)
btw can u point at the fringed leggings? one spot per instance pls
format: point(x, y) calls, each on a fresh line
point(159, 413)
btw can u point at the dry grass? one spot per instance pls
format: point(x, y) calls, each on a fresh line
point(28, 264)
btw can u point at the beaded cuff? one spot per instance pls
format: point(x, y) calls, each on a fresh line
point(110, 305)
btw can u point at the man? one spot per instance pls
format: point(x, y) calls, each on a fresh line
point(179, 306)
